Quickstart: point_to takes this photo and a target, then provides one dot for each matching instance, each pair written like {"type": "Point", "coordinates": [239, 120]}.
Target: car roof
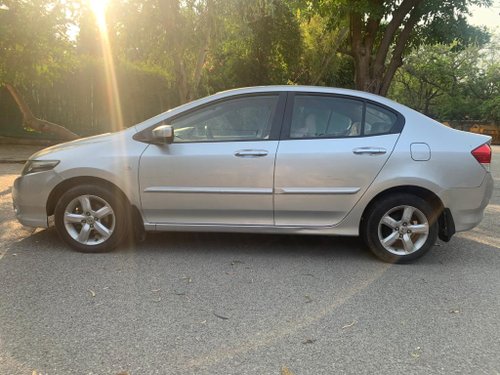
{"type": "Point", "coordinates": [304, 88]}
{"type": "Point", "coordinates": [270, 89]}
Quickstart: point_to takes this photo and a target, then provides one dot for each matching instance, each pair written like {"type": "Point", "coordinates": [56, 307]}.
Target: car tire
{"type": "Point", "coordinates": [400, 228]}
{"type": "Point", "coordinates": [92, 218]}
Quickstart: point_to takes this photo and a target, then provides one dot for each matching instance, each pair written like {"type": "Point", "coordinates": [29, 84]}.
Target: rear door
{"type": "Point", "coordinates": [332, 149]}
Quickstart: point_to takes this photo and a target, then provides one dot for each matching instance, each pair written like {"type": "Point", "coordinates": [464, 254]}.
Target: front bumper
{"type": "Point", "coordinates": [30, 194]}
{"type": "Point", "coordinates": [467, 204]}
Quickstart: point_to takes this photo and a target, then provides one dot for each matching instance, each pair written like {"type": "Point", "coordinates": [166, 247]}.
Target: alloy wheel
{"type": "Point", "coordinates": [89, 219]}
{"type": "Point", "coordinates": [403, 230]}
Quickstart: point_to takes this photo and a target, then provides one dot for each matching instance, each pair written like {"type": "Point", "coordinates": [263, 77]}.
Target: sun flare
{"type": "Point", "coordinates": [99, 8]}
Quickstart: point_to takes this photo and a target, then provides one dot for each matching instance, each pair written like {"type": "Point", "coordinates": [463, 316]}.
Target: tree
{"type": "Point", "coordinates": [262, 45]}
{"type": "Point", "coordinates": [321, 63]}
{"type": "Point", "coordinates": [486, 86]}
{"type": "Point", "coordinates": [32, 52]}
{"type": "Point", "coordinates": [203, 46]}
{"type": "Point", "coordinates": [382, 31]}
{"type": "Point", "coordinates": [173, 36]}
{"type": "Point", "coordinates": [449, 83]}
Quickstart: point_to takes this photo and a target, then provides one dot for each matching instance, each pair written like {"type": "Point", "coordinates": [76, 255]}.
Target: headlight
{"type": "Point", "coordinates": [33, 166]}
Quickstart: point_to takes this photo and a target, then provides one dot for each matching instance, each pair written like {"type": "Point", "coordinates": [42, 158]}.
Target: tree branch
{"type": "Point", "coordinates": [396, 59]}
{"type": "Point", "coordinates": [42, 126]}
{"type": "Point", "coordinates": [372, 27]}
{"type": "Point", "coordinates": [397, 19]}
{"type": "Point", "coordinates": [202, 54]}
{"type": "Point", "coordinates": [435, 94]}
{"type": "Point", "coordinates": [23, 107]}
{"type": "Point", "coordinates": [424, 79]}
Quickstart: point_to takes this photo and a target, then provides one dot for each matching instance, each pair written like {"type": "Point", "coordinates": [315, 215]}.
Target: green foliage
{"type": "Point", "coordinates": [445, 22]}
{"type": "Point", "coordinates": [381, 33]}
{"type": "Point", "coordinates": [34, 44]}
{"type": "Point", "coordinates": [171, 36]}
{"type": "Point", "coordinates": [170, 51]}
{"type": "Point", "coordinates": [449, 83]}
{"type": "Point", "coordinates": [322, 64]}
{"type": "Point", "coordinates": [262, 45]}
{"type": "Point", "coordinates": [78, 98]}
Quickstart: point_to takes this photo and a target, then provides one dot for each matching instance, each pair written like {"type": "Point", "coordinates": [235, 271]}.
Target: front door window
{"type": "Point", "coordinates": [240, 119]}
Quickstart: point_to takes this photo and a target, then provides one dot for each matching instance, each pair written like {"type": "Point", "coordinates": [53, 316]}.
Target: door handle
{"type": "Point", "coordinates": [250, 153]}
{"type": "Point", "coordinates": [369, 151]}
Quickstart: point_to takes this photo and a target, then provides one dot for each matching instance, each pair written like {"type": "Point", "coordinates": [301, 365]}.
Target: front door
{"type": "Point", "coordinates": [219, 168]}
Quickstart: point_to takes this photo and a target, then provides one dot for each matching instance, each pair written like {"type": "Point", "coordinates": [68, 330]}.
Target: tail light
{"type": "Point", "coordinates": [483, 155]}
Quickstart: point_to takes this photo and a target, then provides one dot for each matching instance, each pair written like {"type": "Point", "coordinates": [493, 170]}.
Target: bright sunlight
{"type": "Point", "coordinates": [99, 8]}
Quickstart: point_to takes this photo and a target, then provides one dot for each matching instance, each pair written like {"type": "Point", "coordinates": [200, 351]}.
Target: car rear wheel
{"type": "Point", "coordinates": [400, 228]}
{"type": "Point", "coordinates": [91, 218]}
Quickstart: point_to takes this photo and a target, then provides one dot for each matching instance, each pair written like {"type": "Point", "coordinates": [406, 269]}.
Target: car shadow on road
{"type": "Point", "coordinates": [256, 244]}
{"type": "Point", "coordinates": [331, 248]}
{"type": "Point", "coordinates": [217, 243]}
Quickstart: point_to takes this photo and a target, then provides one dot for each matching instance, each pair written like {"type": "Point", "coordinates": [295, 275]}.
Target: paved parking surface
{"type": "Point", "coordinates": [246, 304]}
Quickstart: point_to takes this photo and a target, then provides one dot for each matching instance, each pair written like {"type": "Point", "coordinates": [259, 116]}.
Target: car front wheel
{"type": "Point", "coordinates": [400, 228]}
{"type": "Point", "coordinates": [91, 218]}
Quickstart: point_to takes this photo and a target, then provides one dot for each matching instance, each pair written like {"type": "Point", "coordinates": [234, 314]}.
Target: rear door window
{"type": "Point", "coordinates": [322, 116]}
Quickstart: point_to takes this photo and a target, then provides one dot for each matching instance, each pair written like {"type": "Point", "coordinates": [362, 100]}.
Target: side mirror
{"type": "Point", "coordinates": [164, 134]}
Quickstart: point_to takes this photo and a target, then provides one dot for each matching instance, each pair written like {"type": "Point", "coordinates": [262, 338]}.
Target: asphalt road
{"type": "Point", "coordinates": [247, 304]}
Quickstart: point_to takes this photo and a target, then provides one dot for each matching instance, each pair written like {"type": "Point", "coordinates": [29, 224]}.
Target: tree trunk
{"type": "Point", "coordinates": [372, 72]}
{"type": "Point", "coordinates": [397, 19]}
{"type": "Point", "coordinates": [42, 126]}
{"type": "Point", "coordinates": [203, 52]}
{"type": "Point", "coordinates": [357, 50]}
{"type": "Point", "coordinates": [181, 79]}
{"type": "Point", "coordinates": [397, 53]}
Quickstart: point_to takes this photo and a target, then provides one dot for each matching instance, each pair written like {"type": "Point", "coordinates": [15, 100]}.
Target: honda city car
{"type": "Point", "coordinates": [275, 159]}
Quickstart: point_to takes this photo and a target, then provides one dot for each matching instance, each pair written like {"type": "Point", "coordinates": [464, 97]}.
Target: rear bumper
{"type": "Point", "coordinates": [29, 196]}
{"type": "Point", "coordinates": [467, 204]}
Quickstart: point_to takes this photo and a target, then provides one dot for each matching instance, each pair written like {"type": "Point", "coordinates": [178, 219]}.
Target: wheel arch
{"type": "Point", "coordinates": [418, 191]}
{"type": "Point", "coordinates": [69, 183]}
{"type": "Point", "coordinates": [370, 231]}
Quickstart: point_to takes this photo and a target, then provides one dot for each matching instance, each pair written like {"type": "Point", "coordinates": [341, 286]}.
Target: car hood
{"type": "Point", "coordinates": [103, 138]}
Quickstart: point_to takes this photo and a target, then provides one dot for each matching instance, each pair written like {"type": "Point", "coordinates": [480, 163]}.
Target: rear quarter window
{"type": "Point", "coordinates": [379, 120]}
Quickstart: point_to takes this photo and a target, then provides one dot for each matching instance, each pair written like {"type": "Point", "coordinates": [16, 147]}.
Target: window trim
{"type": "Point", "coordinates": [146, 135]}
{"type": "Point", "coordinates": [287, 124]}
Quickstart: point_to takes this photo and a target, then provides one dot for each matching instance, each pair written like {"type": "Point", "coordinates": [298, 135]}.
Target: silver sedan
{"type": "Point", "coordinates": [277, 159]}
